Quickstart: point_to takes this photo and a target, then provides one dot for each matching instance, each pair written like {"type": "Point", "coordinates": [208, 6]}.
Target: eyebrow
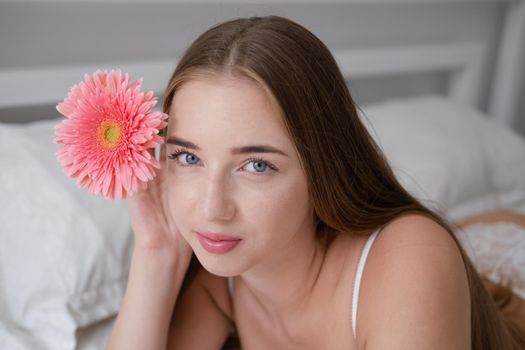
{"type": "Point", "coordinates": [236, 150]}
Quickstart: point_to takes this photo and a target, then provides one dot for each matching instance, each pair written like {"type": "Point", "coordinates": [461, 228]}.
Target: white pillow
{"type": "Point", "coordinates": [452, 157]}
{"type": "Point", "coordinates": [64, 254]}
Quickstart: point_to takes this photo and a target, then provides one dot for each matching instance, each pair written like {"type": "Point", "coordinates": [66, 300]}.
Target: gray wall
{"type": "Point", "coordinates": [50, 34]}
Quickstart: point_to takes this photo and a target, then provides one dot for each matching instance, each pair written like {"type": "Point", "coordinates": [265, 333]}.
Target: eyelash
{"type": "Point", "coordinates": [180, 151]}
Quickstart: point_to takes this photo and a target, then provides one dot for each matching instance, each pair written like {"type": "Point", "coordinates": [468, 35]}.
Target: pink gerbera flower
{"type": "Point", "coordinates": [108, 133]}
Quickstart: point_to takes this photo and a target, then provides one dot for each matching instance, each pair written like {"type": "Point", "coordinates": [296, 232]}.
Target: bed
{"type": "Point", "coordinates": [444, 108]}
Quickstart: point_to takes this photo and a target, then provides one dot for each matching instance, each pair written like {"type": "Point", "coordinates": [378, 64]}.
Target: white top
{"type": "Point", "coordinates": [357, 280]}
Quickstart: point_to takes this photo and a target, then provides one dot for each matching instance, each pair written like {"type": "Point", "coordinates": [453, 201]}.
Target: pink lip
{"type": "Point", "coordinates": [217, 243]}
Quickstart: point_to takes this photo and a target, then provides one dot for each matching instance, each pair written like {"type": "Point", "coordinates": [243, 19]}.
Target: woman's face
{"type": "Point", "coordinates": [233, 170]}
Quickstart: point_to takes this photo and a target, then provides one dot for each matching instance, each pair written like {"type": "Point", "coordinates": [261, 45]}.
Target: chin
{"type": "Point", "coordinates": [218, 266]}
{"type": "Point", "coordinates": [220, 271]}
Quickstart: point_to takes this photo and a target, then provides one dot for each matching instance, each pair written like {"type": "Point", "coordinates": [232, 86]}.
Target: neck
{"type": "Point", "coordinates": [285, 281]}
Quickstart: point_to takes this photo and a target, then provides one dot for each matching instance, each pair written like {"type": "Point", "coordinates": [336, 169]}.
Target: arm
{"type": "Point", "coordinates": [159, 262]}
{"type": "Point", "coordinates": [201, 319]}
{"type": "Point", "coordinates": [154, 282]}
{"type": "Point", "coordinates": [418, 296]}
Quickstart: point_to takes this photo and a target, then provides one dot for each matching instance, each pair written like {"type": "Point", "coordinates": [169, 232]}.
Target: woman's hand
{"type": "Point", "coordinates": [159, 263]}
{"type": "Point", "coordinates": [153, 227]}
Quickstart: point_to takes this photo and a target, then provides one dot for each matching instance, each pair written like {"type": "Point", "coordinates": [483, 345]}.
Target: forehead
{"type": "Point", "coordinates": [225, 106]}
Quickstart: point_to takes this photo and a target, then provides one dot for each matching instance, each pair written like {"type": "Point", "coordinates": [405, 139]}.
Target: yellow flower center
{"type": "Point", "coordinates": [112, 134]}
{"type": "Point", "coordinates": [109, 134]}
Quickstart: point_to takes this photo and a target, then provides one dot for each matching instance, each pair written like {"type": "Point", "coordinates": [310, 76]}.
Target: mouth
{"type": "Point", "coordinates": [217, 243]}
{"type": "Point", "coordinates": [218, 236]}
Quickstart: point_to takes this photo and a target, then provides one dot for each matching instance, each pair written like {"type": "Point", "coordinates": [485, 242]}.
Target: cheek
{"type": "Point", "coordinates": [181, 198]}
{"type": "Point", "coordinates": [282, 211]}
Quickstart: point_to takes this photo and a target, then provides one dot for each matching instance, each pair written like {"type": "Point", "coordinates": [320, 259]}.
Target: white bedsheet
{"type": "Point", "coordinates": [95, 337]}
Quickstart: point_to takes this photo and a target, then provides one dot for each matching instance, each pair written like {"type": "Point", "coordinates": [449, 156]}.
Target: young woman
{"type": "Point", "coordinates": [304, 238]}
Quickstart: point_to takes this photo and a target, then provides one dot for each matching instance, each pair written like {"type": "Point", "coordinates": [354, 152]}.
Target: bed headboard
{"type": "Point", "coordinates": [465, 63]}
{"type": "Point", "coordinates": [485, 72]}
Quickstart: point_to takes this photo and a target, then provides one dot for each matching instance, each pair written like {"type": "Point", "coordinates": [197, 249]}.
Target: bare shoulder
{"type": "Point", "coordinates": [414, 229]}
{"type": "Point", "coordinates": [414, 290]}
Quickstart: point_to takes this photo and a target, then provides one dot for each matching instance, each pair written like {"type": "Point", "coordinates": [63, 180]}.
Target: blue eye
{"type": "Point", "coordinates": [190, 158]}
{"type": "Point", "coordinates": [259, 165]}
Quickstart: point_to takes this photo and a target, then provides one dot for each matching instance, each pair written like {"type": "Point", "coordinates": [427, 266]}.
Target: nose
{"type": "Point", "coordinates": [217, 204]}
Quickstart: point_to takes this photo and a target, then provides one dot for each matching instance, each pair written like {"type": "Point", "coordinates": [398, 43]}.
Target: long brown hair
{"type": "Point", "coordinates": [351, 184]}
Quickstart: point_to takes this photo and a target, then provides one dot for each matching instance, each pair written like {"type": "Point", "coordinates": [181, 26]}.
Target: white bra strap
{"type": "Point", "coordinates": [358, 274]}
